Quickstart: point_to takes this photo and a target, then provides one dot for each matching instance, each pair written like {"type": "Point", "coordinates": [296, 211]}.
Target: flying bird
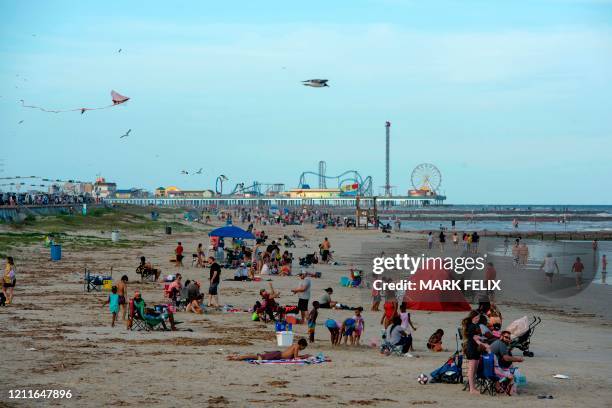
{"type": "Point", "coordinates": [119, 50]}
{"type": "Point", "coordinates": [184, 172]}
{"type": "Point", "coordinates": [20, 122]}
{"type": "Point", "coordinates": [126, 134]}
{"type": "Point", "coordinates": [199, 171]}
{"type": "Point", "coordinates": [315, 83]}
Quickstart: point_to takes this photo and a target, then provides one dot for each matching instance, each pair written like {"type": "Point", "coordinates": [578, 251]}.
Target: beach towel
{"type": "Point", "coordinates": [297, 361]}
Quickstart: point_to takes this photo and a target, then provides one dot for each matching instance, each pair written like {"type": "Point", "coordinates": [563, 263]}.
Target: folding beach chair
{"type": "Point", "coordinates": [93, 283]}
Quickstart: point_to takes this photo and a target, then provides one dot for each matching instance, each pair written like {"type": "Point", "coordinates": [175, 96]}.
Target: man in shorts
{"type": "Point", "coordinates": [303, 292]}
{"type": "Point", "coordinates": [214, 279]}
{"type": "Point", "coordinates": [290, 353]}
{"type": "Point", "coordinates": [122, 292]}
{"type": "Point", "coordinates": [577, 268]}
{"type": "Point", "coordinates": [504, 360]}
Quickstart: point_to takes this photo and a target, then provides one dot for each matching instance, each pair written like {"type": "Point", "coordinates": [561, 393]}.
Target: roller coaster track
{"type": "Point", "coordinates": [350, 176]}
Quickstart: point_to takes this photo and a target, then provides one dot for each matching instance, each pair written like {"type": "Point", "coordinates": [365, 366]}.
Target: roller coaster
{"type": "Point", "coordinates": [257, 189]}
{"type": "Point", "coordinates": [350, 182]}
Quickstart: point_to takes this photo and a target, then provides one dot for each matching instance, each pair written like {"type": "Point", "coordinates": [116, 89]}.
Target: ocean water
{"type": "Point", "coordinates": [506, 226]}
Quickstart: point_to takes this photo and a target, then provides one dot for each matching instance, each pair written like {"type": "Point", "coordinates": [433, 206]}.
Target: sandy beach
{"type": "Point", "coordinates": [56, 336]}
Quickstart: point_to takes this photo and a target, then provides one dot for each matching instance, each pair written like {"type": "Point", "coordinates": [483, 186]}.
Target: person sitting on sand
{"type": "Point", "coordinates": [397, 336]}
{"type": "Point", "coordinates": [194, 297]}
{"type": "Point", "coordinates": [268, 305]}
{"type": "Point", "coordinates": [326, 301]}
{"type": "Point", "coordinates": [290, 353]}
{"type": "Point", "coordinates": [435, 341]}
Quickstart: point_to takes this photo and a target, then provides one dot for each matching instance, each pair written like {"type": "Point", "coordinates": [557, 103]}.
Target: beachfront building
{"type": "Point", "coordinates": [102, 189]}
{"type": "Point", "coordinates": [175, 192]}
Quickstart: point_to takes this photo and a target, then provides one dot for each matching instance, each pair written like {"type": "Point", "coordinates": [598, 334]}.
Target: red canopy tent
{"type": "Point", "coordinates": [437, 300]}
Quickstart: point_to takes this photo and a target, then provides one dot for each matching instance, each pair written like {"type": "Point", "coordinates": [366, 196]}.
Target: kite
{"type": "Point", "coordinates": [117, 99]}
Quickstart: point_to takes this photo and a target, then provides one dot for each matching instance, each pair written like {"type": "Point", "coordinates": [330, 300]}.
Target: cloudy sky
{"type": "Point", "coordinates": [512, 101]}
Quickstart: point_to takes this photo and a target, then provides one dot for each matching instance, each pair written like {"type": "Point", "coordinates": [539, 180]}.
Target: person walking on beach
{"type": "Point", "coordinates": [455, 240]}
{"type": "Point", "coordinates": [325, 247]}
{"type": "Point", "coordinates": [577, 268]}
{"type": "Point", "coordinates": [548, 266]}
{"type": "Point", "coordinates": [604, 265]}
{"type": "Point", "coordinates": [122, 293]}
{"type": "Point", "coordinates": [179, 255]}
{"type": "Point", "coordinates": [214, 279]}
{"type": "Point", "coordinates": [430, 240]}
{"type": "Point", "coordinates": [9, 279]}
{"type": "Point", "coordinates": [113, 304]}
{"type": "Point", "coordinates": [303, 292]}
{"type": "Point", "coordinates": [442, 238]}
{"type": "Point", "coordinates": [312, 321]}
{"type": "Point", "coordinates": [506, 245]}
{"type": "Point", "coordinates": [523, 253]}
{"type": "Point", "coordinates": [475, 241]}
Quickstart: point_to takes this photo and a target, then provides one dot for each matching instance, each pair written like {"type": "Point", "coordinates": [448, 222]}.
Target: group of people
{"type": "Point", "coordinates": [470, 241]}
{"type": "Point", "coordinates": [16, 199]}
{"type": "Point", "coordinates": [478, 339]}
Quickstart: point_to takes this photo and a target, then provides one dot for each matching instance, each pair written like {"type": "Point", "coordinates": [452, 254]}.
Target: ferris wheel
{"type": "Point", "coordinates": [426, 177]}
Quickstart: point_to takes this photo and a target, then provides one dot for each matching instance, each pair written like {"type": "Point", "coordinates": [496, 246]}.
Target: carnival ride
{"type": "Point", "coordinates": [426, 180]}
{"type": "Point", "coordinates": [349, 183]}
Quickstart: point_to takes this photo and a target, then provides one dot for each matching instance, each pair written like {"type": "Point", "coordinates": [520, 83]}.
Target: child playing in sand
{"type": "Point", "coordinates": [113, 302]}
{"type": "Point", "coordinates": [312, 321]}
{"type": "Point", "coordinates": [406, 321]}
{"type": "Point", "coordinates": [348, 329]}
{"type": "Point", "coordinates": [334, 331]}
{"type": "Point", "coordinates": [359, 326]}
{"type": "Point", "coordinates": [435, 341]}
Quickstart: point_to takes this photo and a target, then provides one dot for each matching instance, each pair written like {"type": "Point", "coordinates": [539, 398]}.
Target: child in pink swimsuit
{"type": "Point", "coordinates": [359, 325]}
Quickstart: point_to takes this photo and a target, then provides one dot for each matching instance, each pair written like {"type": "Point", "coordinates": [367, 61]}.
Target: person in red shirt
{"type": "Point", "coordinates": [179, 255]}
{"type": "Point", "coordinates": [577, 268]}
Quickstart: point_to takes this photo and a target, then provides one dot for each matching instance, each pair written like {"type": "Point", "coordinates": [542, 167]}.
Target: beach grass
{"type": "Point", "coordinates": [12, 240]}
{"type": "Point", "coordinates": [103, 219]}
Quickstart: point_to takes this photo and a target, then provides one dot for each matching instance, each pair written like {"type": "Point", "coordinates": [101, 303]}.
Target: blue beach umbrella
{"type": "Point", "coordinates": [231, 231]}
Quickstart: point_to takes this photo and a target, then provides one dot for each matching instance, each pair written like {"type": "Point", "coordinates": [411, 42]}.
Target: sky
{"type": "Point", "coordinates": [512, 101]}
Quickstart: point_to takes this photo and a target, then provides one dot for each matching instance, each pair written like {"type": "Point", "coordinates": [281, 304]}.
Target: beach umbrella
{"type": "Point", "coordinates": [231, 231]}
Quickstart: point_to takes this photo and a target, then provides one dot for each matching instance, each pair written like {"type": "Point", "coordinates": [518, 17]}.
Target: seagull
{"type": "Point", "coordinates": [119, 50]}
{"type": "Point", "coordinates": [20, 122]}
{"type": "Point", "coordinates": [126, 134]}
{"type": "Point", "coordinates": [184, 172]}
{"type": "Point", "coordinates": [199, 171]}
{"type": "Point", "coordinates": [316, 83]}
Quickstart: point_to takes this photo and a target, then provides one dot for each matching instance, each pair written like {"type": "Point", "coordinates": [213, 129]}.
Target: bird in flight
{"type": "Point", "coordinates": [315, 83]}
{"type": "Point", "coordinates": [199, 171]}
{"type": "Point", "coordinates": [184, 172]}
{"type": "Point", "coordinates": [126, 134]}
{"type": "Point", "coordinates": [119, 50]}
{"type": "Point", "coordinates": [20, 122]}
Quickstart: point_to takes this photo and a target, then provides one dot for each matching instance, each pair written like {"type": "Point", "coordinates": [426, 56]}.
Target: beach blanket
{"type": "Point", "coordinates": [298, 361]}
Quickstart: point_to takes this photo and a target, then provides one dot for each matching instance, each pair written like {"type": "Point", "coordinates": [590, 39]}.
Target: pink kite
{"type": "Point", "coordinates": [117, 98]}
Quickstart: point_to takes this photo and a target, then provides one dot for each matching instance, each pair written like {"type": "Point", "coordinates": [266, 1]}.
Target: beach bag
{"type": "Point", "coordinates": [255, 317]}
